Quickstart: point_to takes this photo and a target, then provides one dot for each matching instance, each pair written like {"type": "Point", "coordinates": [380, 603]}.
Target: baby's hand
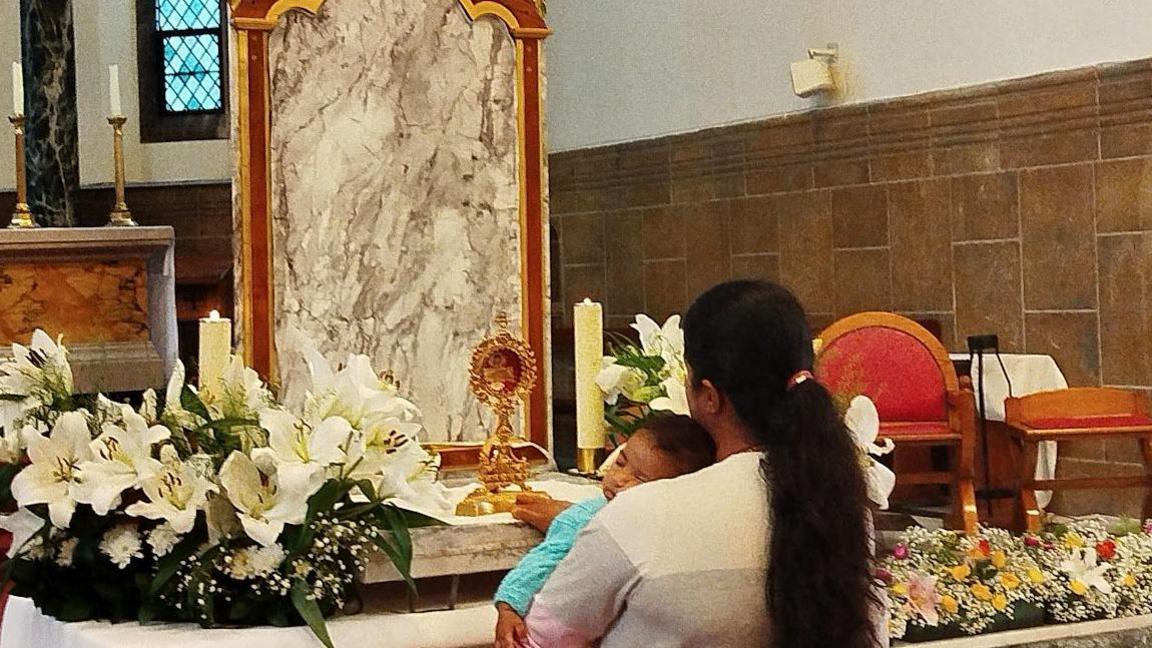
{"type": "Point", "coordinates": [538, 511]}
{"type": "Point", "coordinates": [510, 629]}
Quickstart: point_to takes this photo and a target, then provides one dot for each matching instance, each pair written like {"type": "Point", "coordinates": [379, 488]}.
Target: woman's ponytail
{"type": "Point", "coordinates": [820, 559]}
{"type": "Point", "coordinates": [751, 341]}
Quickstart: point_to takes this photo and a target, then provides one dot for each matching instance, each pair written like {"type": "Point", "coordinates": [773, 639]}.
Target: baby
{"type": "Point", "coordinates": [667, 446]}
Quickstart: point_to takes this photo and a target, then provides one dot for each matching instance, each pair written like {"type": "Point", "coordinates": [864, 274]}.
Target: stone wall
{"type": "Point", "coordinates": [1022, 207]}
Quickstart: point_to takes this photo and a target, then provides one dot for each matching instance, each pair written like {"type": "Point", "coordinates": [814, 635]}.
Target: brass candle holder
{"type": "Point", "coordinates": [120, 216]}
{"type": "Point", "coordinates": [502, 374]}
{"type": "Point", "coordinates": [22, 217]}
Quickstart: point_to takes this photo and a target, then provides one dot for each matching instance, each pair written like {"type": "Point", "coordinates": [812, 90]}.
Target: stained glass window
{"type": "Point", "coordinates": [189, 32]}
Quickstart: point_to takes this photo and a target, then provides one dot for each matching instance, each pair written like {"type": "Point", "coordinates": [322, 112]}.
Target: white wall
{"type": "Point", "coordinates": [105, 32]}
{"type": "Point", "coordinates": [623, 70]}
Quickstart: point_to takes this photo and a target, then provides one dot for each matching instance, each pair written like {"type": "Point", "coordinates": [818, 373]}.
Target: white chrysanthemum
{"type": "Point", "coordinates": [121, 544]}
{"type": "Point", "coordinates": [162, 539]}
{"type": "Point", "coordinates": [66, 551]}
{"type": "Point", "coordinates": [266, 560]}
{"type": "Point", "coordinates": [254, 562]}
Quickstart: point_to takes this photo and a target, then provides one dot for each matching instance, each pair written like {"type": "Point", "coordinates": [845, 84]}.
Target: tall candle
{"type": "Point", "coordinates": [17, 89]}
{"type": "Point", "coordinates": [588, 320]}
{"type": "Point", "coordinates": [114, 90]}
{"type": "Point", "coordinates": [215, 349]}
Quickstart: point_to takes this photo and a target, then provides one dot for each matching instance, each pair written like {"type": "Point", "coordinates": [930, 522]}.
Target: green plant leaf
{"type": "Point", "coordinates": [310, 612]}
{"type": "Point", "coordinates": [167, 566]}
{"type": "Point", "coordinates": [191, 402]}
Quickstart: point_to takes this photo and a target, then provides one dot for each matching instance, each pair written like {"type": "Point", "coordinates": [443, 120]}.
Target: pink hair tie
{"type": "Point", "coordinates": [799, 377]}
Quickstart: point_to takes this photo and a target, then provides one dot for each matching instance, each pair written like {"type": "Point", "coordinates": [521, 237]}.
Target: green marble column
{"type": "Point", "coordinates": [52, 151]}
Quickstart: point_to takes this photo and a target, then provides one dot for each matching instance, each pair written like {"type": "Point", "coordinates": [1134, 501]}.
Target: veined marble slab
{"type": "Point", "coordinates": [395, 196]}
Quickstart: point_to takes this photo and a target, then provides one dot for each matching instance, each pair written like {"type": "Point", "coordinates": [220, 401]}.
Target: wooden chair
{"type": "Point", "coordinates": [906, 371]}
{"type": "Point", "coordinates": [1069, 414]}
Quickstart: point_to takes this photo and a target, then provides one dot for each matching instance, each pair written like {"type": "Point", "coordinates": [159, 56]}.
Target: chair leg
{"type": "Point", "coordinates": [1029, 508]}
{"type": "Point", "coordinates": [964, 498]}
{"type": "Point", "coordinates": [1146, 450]}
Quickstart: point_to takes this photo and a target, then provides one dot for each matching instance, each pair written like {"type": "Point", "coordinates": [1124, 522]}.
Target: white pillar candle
{"type": "Point", "coordinates": [114, 90]}
{"type": "Point", "coordinates": [17, 89]}
{"type": "Point", "coordinates": [215, 349]}
{"type": "Point", "coordinates": [588, 320]}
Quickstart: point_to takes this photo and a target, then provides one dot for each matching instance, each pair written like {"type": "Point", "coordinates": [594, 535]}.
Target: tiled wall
{"type": "Point", "coordinates": [1022, 208]}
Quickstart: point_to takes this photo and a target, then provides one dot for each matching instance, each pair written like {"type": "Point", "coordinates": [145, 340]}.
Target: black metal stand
{"type": "Point", "coordinates": [978, 345]}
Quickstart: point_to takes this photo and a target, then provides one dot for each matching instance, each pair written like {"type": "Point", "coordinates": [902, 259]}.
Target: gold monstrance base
{"type": "Point", "coordinates": [503, 372]}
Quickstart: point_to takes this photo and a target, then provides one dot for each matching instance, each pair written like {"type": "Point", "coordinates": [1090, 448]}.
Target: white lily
{"type": "Point", "coordinates": [174, 413]}
{"type": "Point", "coordinates": [23, 525]}
{"type": "Point", "coordinates": [38, 372]}
{"type": "Point", "coordinates": [353, 392]}
{"type": "Point", "coordinates": [52, 476]}
{"type": "Point", "coordinates": [1085, 571]}
{"type": "Point", "coordinates": [175, 494]}
{"type": "Point", "coordinates": [410, 474]}
{"type": "Point", "coordinates": [268, 496]}
{"type": "Point", "coordinates": [292, 440]}
{"type": "Point", "coordinates": [122, 459]}
{"type": "Point", "coordinates": [616, 380]}
{"type": "Point", "coordinates": [242, 393]}
{"type": "Point", "coordinates": [863, 421]}
{"type": "Point", "coordinates": [666, 341]}
{"type": "Point", "coordinates": [677, 399]}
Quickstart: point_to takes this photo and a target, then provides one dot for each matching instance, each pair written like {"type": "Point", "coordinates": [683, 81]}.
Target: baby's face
{"type": "Point", "coordinates": [640, 461]}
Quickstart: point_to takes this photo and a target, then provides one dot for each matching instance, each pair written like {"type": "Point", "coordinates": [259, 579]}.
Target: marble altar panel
{"type": "Point", "coordinates": [109, 291]}
{"type": "Point", "coordinates": [395, 195]}
{"type": "Point", "coordinates": [95, 301]}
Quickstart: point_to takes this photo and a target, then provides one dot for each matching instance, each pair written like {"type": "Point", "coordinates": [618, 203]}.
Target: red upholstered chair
{"type": "Point", "coordinates": [907, 373]}
{"type": "Point", "coordinates": [1069, 414]}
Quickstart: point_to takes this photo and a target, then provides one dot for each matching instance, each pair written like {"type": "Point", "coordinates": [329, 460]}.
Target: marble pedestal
{"type": "Point", "coordinates": [109, 291]}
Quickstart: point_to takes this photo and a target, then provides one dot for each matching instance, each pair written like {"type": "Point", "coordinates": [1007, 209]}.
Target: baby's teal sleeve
{"type": "Point", "coordinates": [523, 582]}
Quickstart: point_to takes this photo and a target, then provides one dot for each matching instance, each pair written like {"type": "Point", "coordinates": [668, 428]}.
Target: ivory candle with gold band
{"type": "Point", "coordinates": [215, 349]}
{"type": "Point", "coordinates": [588, 321]}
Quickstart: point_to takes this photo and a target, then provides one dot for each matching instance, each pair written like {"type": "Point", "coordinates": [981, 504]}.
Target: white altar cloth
{"type": "Point", "coordinates": [1029, 374]}
{"type": "Point", "coordinates": [465, 627]}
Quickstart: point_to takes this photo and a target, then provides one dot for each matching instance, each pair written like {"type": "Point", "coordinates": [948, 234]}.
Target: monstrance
{"type": "Point", "coordinates": [502, 374]}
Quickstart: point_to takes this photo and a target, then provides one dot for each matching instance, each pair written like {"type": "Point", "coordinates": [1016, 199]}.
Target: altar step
{"type": "Point", "coordinates": [1110, 633]}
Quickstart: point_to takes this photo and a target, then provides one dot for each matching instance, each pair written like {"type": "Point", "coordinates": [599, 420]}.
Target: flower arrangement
{"type": "Point", "coordinates": [217, 507]}
{"type": "Point", "coordinates": [953, 584]}
{"type": "Point", "coordinates": [639, 380]}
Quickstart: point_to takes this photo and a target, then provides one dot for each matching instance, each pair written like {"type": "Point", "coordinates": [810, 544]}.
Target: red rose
{"type": "Point", "coordinates": [985, 548]}
{"type": "Point", "coordinates": [1106, 550]}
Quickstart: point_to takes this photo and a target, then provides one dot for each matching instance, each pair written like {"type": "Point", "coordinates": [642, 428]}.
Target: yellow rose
{"type": "Point", "coordinates": [981, 591]}
{"type": "Point", "coordinates": [1078, 587]}
{"type": "Point", "coordinates": [999, 560]}
{"type": "Point", "coordinates": [1128, 581]}
{"type": "Point", "coordinates": [949, 604]}
{"type": "Point", "coordinates": [1000, 602]}
{"type": "Point", "coordinates": [1035, 575]}
{"type": "Point", "coordinates": [900, 589]}
{"type": "Point", "coordinates": [1009, 581]}
{"type": "Point", "coordinates": [1073, 541]}
{"type": "Point", "coordinates": [960, 572]}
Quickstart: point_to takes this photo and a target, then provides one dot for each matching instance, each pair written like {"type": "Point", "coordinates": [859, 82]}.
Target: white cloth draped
{"type": "Point", "coordinates": [467, 627]}
{"type": "Point", "coordinates": [1029, 374]}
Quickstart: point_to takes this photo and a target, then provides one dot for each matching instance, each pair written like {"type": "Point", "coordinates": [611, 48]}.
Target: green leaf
{"type": "Point", "coordinates": [12, 398]}
{"type": "Point", "coordinates": [367, 488]}
{"type": "Point", "coordinates": [310, 612]}
{"type": "Point", "coordinates": [167, 566]}
{"type": "Point", "coordinates": [191, 402]}
{"type": "Point", "coordinates": [404, 568]}
{"type": "Point", "coordinates": [414, 520]}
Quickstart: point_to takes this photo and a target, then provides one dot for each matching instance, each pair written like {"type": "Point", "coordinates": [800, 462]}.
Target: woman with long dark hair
{"type": "Point", "coordinates": [771, 546]}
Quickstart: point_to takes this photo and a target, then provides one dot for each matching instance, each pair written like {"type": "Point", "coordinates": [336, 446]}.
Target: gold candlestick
{"type": "Point", "coordinates": [22, 217]}
{"type": "Point", "coordinates": [120, 216]}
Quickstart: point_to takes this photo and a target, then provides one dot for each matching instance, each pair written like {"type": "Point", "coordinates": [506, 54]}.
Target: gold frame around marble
{"type": "Point", "coordinates": [252, 20]}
